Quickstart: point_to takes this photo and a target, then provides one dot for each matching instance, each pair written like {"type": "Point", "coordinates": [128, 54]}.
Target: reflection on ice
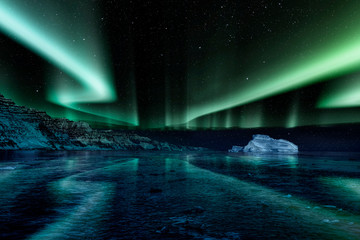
{"type": "Point", "coordinates": [346, 224]}
{"type": "Point", "coordinates": [349, 186]}
{"type": "Point", "coordinates": [80, 217]}
{"type": "Point", "coordinates": [290, 161]}
{"type": "Point", "coordinates": [7, 168]}
{"type": "Point", "coordinates": [113, 195]}
{"type": "Point", "coordinates": [345, 190]}
{"type": "Point", "coordinates": [90, 211]}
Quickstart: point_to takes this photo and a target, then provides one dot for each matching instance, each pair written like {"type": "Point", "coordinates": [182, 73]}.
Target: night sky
{"type": "Point", "coordinates": [184, 64]}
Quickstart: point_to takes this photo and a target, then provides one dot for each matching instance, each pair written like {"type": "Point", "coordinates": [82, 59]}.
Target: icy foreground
{"type": "Point", "coordinates": [265, 144]}
{"type": "Point", "coordinates": [26, 129]}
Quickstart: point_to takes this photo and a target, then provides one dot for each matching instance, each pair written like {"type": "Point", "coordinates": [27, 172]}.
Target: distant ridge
{"type": "Point", "coordinates": [23, 128]}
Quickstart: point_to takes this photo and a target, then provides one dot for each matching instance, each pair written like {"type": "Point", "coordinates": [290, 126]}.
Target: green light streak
{"type": "Point", "coordinates": [80, 58]}
{"type": "Point", "coordinates": [228, 119]}
{"type": "Point", "coordinates": [26, 32]}
{"type": "Point", "coordinates": [293, 117]}
{"type": "Point", "coordinates": [292, 120]}
{"type": "Point", "coordinates": [249, 116]}
{"type": "Point", "coordinates": [342, 93]}
{"type": "Point", "coordinates": [109, 111]}
{"type": "Point", "coordinates": [252, 116]}
{"type": "Point", "coordinates": [326, 66]}
{"type": "Point", "coordinates": [318, 57]}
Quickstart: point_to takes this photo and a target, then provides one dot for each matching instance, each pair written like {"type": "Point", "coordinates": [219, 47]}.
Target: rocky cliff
{"type": "Point", "coordinates": [26, 128]}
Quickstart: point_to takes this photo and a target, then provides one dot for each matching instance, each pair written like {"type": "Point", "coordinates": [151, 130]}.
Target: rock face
{"type": "Point", "coordinates": [26, 128]}
{"type": "Point", "coordinates": [266, 144]}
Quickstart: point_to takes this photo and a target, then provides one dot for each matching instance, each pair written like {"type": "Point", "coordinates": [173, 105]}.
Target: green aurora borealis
{"type": "Point", "coordinates": [230, 64]}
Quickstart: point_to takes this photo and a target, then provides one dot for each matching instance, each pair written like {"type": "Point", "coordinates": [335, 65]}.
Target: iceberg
{"type": "Point", "coordinates": [265, 144]}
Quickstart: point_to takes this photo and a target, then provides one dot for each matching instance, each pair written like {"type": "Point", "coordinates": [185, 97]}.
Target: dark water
{"type": "Point", "coordinates": [117, 195]}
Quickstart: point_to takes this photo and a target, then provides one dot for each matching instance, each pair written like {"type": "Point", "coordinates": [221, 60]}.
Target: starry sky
{"type": "Point", "coordinates": [184, 64]}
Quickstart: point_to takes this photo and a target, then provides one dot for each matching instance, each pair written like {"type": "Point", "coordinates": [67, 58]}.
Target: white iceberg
{"type": "Point", "coordinates": [265, 144]}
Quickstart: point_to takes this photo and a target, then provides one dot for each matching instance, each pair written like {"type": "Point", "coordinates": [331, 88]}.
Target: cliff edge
{"type": "Point", "coordinates": [23, 128]}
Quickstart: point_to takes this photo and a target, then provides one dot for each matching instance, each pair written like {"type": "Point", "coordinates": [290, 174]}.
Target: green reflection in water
{"type": "Point", "coordinates": [92, 209]}
{"type": "Point", "coordinates": [347, 225]}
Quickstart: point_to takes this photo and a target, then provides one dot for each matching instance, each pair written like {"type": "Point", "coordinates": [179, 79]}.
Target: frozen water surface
{"type": "Point", "coordinates": [164, 195]}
